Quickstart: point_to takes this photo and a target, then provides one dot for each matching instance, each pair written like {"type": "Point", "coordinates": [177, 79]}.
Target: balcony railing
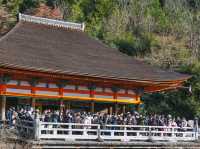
{"type": "Point", "coordinates": [73, 131]}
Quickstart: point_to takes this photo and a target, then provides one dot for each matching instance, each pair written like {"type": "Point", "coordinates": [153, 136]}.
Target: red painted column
{"type": "Point", "coordinates": [2, 89]}
{"type": "Point", "coordinates": [61, 91]}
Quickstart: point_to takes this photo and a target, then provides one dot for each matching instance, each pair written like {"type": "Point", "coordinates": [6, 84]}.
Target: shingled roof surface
{"type": "Point", "coordinates": [46, 48]}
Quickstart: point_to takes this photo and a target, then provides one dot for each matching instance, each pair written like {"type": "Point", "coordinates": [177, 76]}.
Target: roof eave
{"type": "Point", "coordinates": [61, 73]}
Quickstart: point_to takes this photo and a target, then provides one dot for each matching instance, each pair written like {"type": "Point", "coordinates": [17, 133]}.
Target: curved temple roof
{"type": "Point", "coordinates": [43, 47]}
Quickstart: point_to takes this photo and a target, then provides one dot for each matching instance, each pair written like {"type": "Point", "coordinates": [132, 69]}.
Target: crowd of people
{"type": "Point", "coordinates": [70, 116]}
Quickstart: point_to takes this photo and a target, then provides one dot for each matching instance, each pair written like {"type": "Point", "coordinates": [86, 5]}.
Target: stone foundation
{"type": "Point", "coordinates": [30, 144]}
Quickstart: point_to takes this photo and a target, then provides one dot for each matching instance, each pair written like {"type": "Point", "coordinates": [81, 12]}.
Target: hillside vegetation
{"type": "Point", "coordinates": [164, 33]}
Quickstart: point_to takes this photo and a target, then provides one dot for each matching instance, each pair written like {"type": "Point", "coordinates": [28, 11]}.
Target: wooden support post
{"type": "Point", "coordinates": [33, 102]}
{"type": "Point", "coordinates": [62, 106]}
{"type": "Point", "coordinates": [116, 104]}
{"type": "Point", "coordinates": [137, 105]}
{"type": "Point", "coordinates": [33, 99]}
{"type": "Point", "coordinates": [3, 107]}
{"type": "Point", "coordinates": [116, 108]}
{"type": "Point", "coordinates": [92, 102]}
{"type": "Point", "coordinates": [68, 105]}
{"type": "Point", "coordinates": [92, 106]}
{"type": "Point", "coordinates": [61, 93]}
{"type": "Point", "coordinates": [111, 110]}
{"type": "Point", "coordinates": [124, 109]}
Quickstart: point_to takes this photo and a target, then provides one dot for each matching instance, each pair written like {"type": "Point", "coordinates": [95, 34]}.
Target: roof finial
{"type": "Point", "coordinates": [52, 22]}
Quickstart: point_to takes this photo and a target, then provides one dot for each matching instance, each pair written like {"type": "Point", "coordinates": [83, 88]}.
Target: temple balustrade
{"type": "Point", "coordinates": [73, 131]}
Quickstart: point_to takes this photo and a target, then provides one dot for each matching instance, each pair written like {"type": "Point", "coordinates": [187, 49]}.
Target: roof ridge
{"type": "Point", "coordinates": [51, 22]}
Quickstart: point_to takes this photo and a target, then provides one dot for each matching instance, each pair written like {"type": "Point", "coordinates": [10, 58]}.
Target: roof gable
{"type": "Point", "coordinates": [51, 22]}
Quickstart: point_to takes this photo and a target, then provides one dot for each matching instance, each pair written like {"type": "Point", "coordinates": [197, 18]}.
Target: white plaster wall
{"type": "Point", "coordinates": [22, 91]}
{"type": "Point", "coordinates": [76, 94]}
{"type": "Point", "coordinates": [24, 83]}
{"type": "Point", "coordinates": [70, 87]}
{"type": "Point", "coordinates": [46, 93]}
{"type": "Point", "coordinates": [41, 85]}
{"type": "Point", "coordinates": [52, 85]}
{"type": "Point", "coordinates": [12, 82]}
{"type": "Point", "coordinates": [102, 96]}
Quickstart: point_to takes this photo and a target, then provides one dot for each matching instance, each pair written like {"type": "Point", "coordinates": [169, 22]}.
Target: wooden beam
{"type": "Point", "coordinates": [131, 101]}
{"type": "Point", "coordinates": [61, 91]}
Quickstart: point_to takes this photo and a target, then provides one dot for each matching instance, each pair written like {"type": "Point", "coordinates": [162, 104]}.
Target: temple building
{"type": "Point", "coordinates": [49, 63]}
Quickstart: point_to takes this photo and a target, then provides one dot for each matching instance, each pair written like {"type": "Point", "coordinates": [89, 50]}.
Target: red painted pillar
{"type": "Point", "coordinates": [61, 92]}
{"type": "Point", "coordinates": [2, 89]}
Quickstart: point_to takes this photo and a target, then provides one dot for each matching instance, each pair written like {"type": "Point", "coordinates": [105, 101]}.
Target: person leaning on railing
{"type": "Point", "coordinates": [129, 118]}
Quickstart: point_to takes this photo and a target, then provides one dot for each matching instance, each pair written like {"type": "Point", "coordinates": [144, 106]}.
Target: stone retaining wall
{"type": "Point", "coordinates": [92, 144]}
{"type": "Point", "coordinates": [13, 143]}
